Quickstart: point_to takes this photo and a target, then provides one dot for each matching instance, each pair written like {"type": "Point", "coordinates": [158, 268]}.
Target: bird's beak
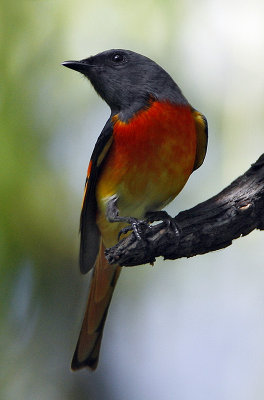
{"type": "Point", "coordinates": [79, 66]}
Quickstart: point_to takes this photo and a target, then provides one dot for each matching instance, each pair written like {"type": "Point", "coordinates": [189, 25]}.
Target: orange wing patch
{"type": "Point", "coordinates": [89, 169]}
{"type": "Point", "coordinates": [103, 152]}
{"type": "Point", "coordinates": [86, 182]}
{"type": "Point", "coordinates": [98, 163]}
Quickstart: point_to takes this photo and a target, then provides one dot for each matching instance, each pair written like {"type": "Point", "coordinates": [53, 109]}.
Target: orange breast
{"type": "Point", "coordinates": [150, 160]}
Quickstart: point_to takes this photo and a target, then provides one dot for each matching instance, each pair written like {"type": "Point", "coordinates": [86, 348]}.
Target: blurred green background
{"type": "Point", "coordinates": [189, 329]}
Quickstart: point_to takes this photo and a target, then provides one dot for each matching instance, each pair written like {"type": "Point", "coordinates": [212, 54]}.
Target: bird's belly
{"type": "Point", "coordinates": [151, 184]}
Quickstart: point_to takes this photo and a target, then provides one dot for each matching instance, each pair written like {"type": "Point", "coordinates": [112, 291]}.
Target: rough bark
{"type": "Point", "coordinates": [211, 225]}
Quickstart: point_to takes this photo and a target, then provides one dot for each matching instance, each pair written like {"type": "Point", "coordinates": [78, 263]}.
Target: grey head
{"type": "Point", "coordinates": [127, 80]}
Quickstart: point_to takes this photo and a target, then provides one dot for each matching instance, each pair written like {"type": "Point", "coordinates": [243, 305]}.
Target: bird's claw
{"type": "Point", "coordinates": [138, 226]}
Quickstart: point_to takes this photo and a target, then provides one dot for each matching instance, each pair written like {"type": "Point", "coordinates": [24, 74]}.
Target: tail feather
{"type": "Point", "coordinates": [101, 290]}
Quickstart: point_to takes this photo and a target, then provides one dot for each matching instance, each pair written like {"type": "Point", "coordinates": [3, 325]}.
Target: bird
{"type": "Point", "coordinates": [150, 145]}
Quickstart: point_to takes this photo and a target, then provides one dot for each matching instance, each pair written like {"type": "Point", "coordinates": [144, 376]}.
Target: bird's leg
{"type": "Point", "coordinates": [136, 225]}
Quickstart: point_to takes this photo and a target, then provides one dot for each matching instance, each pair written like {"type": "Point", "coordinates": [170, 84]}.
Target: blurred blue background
{"type": "Point", "coordinates": [184, 329]}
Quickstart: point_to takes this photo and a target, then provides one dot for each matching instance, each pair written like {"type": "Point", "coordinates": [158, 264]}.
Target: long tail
{"type": "Point", "coordinates": [101, 290]}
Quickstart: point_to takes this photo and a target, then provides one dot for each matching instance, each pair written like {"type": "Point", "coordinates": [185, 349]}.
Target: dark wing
{"type": "Point", "coordinates": [90, 235]}
{"type": "Point", "coordinates": [202, 137]}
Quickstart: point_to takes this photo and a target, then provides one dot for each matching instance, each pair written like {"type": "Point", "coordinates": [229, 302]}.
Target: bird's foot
{"type": "Point", "coordinates": [137, 226]}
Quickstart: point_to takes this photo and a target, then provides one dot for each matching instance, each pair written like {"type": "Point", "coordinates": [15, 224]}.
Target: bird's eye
{"type": "Point", "coordinates": [118, 58]}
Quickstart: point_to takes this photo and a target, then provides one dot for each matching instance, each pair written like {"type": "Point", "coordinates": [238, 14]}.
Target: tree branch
{"type": "Point", "coordinates": [211, 225]}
